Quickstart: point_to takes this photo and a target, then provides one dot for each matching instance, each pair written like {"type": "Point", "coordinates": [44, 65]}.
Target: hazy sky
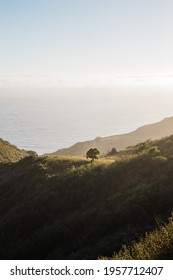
{"type": "Point", "coordinates": [86, 37]}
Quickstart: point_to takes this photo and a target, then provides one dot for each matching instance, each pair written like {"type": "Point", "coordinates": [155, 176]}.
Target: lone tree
{"type": "Point", "coordinates": [93, 154]}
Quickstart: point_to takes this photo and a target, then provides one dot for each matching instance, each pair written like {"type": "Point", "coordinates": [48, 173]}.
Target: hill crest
{"type": "Point", "coordinates": [10, 153]}
{"type": "Point", "coordinates": [105, 144]}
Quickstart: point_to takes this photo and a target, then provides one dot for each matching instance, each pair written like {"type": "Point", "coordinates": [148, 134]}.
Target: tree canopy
{"type": "Point", "coordinates": [92, 153]}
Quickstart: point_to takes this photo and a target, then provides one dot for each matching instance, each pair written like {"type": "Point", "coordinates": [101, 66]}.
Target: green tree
{"type": "Point", "coordinates": [92, 153]}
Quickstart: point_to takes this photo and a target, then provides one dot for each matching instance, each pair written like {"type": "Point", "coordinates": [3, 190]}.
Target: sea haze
{"type": "Point", "coordinates": [47, 120]}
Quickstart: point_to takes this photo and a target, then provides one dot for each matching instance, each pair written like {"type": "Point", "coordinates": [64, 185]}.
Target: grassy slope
{"type": "Point", "coordinates": [157, 245]}
{"type": "Point", "coordinates": [68, 208]}
{"type": "Point", "coordinates": [10, 152]}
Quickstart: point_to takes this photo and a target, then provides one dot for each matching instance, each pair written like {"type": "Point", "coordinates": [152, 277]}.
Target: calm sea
{"type": "Point", "coordinates": [46, 121]}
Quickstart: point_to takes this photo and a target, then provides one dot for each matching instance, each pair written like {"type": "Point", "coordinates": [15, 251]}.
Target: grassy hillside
{"type": "Point", "coordinates": [69, 208]}
{"type": "Point", "coordinates": [120, 142]}
{"type": "Point", "coordinates": [162, 147]}
{"type": "Point", "coordinates": [157, 245]}
{"type": "Point", "coordinates": [10, 152]}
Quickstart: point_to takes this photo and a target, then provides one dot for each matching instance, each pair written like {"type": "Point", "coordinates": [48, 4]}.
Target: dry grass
{"type": "Point", "coordinates": [155, 245]}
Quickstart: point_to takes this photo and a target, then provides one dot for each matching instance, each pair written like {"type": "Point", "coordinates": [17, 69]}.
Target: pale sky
{"type": "Point", "coordinates": [92, 38]}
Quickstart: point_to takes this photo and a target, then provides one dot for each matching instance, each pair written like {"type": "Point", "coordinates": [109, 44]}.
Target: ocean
{"type": "Point", "coordinates": [51, 119]}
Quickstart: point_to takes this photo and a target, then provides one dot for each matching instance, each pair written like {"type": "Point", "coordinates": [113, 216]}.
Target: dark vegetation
{"type": "Point", "coordinates": [113, 152]}
{"type": "Point", "coordinates": [157, 245]}
{"type": "Point", "coordinates": [69, 208]}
